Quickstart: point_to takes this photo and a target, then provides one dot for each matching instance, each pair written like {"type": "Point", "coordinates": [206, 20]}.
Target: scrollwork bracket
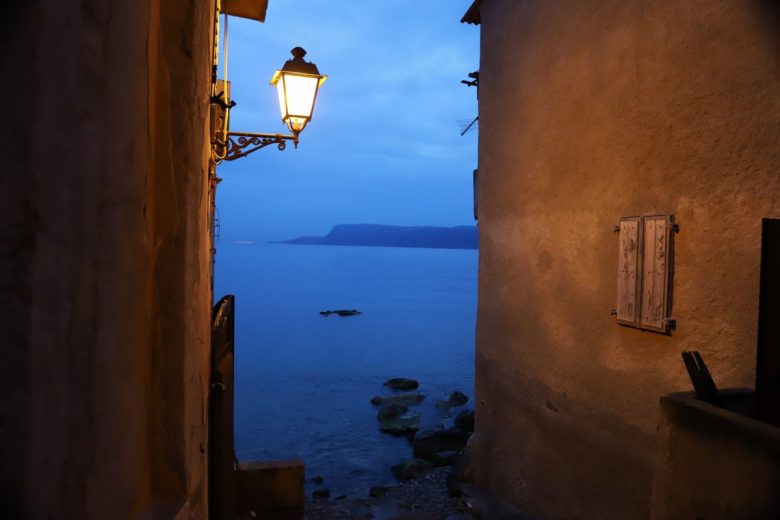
{"type": "Point", "coordinates": [241, 144]}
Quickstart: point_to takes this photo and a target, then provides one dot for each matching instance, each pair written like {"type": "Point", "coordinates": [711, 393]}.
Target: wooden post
{"type": "Point", "coordinates": [221, 451]}
{"type": "Point", "coordinates": [768, 355]}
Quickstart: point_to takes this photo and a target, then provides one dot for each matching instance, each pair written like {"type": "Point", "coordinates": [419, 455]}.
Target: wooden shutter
{"type": "Point", "coordinates": [645, 272]}
{"type": "Point", "coordinates": [628, 269]}
{"type": "Point", "coordinates": [655, 272]}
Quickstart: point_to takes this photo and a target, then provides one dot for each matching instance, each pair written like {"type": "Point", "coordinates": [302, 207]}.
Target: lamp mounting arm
{"type": "Point", "coordinates": [241, 144]}
{"type": "Point", "coordinates": [219, 99]}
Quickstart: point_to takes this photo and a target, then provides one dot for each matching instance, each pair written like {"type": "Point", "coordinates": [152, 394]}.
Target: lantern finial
{"type": "Point", "coordinates": [298, 52]}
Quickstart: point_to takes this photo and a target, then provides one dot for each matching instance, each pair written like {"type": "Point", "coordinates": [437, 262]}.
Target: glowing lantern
{"type": "Point", "coordinates": [297, 85]}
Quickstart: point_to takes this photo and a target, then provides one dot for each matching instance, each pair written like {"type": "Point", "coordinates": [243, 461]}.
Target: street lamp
{"type": "Point", "coordinates": [297, 84]}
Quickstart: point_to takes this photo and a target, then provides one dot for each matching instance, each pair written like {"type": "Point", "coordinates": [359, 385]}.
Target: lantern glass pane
{"type": "Point", "coordinates": [300, 92]}
{"type": "Point", "coordinates": [280, 93]}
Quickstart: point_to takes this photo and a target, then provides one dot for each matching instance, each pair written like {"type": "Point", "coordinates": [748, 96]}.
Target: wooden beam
{"type": "Point", "coordinates": [703, 384]}
{"type": "Point", "coordinates": [252, 9]}
{"type": "Point", "coordinates": [768, 354]}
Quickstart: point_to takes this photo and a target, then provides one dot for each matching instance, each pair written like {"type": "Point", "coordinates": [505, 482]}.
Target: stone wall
{"type": "Point", "coordinates": [590, 111]}
{"type": "Point", "coordinates": [105, 264]}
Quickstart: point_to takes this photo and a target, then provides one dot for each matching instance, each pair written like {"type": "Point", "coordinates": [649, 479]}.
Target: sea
{"type": "Point", "coordinates": [304, 381]}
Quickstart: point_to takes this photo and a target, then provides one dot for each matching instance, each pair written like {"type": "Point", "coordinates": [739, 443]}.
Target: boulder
{"type": "Point", "coordinates": [458, 398]}
{"type": "Point", "coordinates": [465, 420]}
{"type": "Point", "coordinates": [455, 399]}
{"type": "Point", "coordinates": [411, 469]}
{"type": "Point", "coordinates": [447, 458]}
{"type": "Point", "coordinates": [401, 399]}
{"type": "Point", "coordinates": [455, 480]}
{"type": "Point", "coordinates": [378, 491]}
{"type": "Point", "coordinates": [437, 446]}
{"type": "Point", "coordinates": [342, 312]}
{"type": "Point", "coordinates": [459, 476]}
{"type": "Point", "coordinates": [405, 425]}
{"type": "Point", "coordinates": [401, 383]}
{"type": "Point", "coordinates": [321, 493]}
{"type": "Point", "coordinates": [391, 410]}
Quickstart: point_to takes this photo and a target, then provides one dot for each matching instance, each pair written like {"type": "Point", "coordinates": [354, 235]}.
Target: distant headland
{"type": "Point", "coordinates": [459, 237]}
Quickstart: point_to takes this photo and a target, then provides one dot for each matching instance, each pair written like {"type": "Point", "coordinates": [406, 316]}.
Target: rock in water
{"type": "Point", "coordinates": [342, 312]}
{"type": "Point", "coordinates": [401, 425]}
{"type": "Point", "coordinates": [321, 493]}
{"type": "Point", "coordinates": [411, 469]}
{"type": "Point", "coordinates": [440, 446]}
{"type": "Point", "coordinates": [458, 398]}
{"type": "Point", "coordinates": [455, 399]}
{"type": "Point", "coordinates": [378, 491]}
{"type": "Point", "coordinates": [448, 458]}
{"type": "Point", "coordinates": [401, 383]}
{"type": "Point", "coordinates": [402, 399]}
{"type": "Point", "coordinates": [391, 410]}
{"type": "Point", "coordinates": [465, 420]}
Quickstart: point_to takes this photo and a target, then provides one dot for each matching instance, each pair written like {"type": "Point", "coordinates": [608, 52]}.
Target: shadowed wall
{"type": "Point", "coordinates": [105, 266]}
{"type": "Point", "coordinates": [590, 111]}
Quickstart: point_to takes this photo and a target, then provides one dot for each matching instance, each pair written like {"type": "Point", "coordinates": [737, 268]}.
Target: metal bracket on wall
{"type": "Point", "coordinates": [219, 99]}
{"type": "Point", "coordinates": [241, 144]}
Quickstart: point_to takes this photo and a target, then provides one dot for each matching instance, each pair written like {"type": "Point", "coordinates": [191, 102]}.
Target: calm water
{"type": "Point", "coordinates": [304, 381]}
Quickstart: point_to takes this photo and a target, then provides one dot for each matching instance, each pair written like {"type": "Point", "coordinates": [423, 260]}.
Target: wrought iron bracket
{"type": "Point", "coordinates": [241, 144]}
{"type": "Point", "coordinates": [219, 99]}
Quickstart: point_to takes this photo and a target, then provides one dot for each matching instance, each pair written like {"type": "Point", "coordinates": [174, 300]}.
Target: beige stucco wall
{"type": "Point", "coordinates": [105, 288]}
{"type": "Point", "coordinates": [590, 111]}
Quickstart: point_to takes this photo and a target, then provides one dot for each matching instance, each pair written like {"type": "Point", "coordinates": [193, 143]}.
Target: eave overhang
{"type": "Point", "coordinates": [252, 9]}
{"type": "Point", "coordinates": [472, 15]}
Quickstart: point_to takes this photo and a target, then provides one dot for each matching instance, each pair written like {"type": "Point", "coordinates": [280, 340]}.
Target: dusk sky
{"type": "Point", "coordinates": [384, 145]}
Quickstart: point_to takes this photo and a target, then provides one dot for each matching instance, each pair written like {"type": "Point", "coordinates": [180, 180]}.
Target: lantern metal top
{"type": "Point", "coordinates": [298, 65]}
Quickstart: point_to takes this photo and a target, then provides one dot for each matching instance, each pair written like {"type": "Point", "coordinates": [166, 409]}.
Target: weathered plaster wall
{"type": "Point", "coordinates": [105, 285]}
{"type": "Point", "coordinates": [590, 111]}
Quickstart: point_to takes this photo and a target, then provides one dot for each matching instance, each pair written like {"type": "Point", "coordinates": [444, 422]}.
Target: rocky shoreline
{"type": "Point", "coordinates": [424, 498]}
{"type": "Point", "coordinates": [431, 481]}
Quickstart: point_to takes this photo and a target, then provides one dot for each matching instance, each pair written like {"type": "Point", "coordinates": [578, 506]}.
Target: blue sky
{"type": "Point", "coordinates": [384, 145]}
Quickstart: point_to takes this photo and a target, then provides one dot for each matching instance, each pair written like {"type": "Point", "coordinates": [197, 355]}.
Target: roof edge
{"type": "Point", "coordinates": [252, 9]}
{"type": "Point", "coordinates": [472, 15]}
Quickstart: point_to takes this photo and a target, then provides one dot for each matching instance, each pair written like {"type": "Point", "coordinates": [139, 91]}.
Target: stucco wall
{"type": "Point", "coordinates": [105, 288]}
{"type": "Point", "coordinates": [590, 111]}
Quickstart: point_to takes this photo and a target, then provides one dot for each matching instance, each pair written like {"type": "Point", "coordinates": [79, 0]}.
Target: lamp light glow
{"type": "Point", "coordinates": [297, 84]}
